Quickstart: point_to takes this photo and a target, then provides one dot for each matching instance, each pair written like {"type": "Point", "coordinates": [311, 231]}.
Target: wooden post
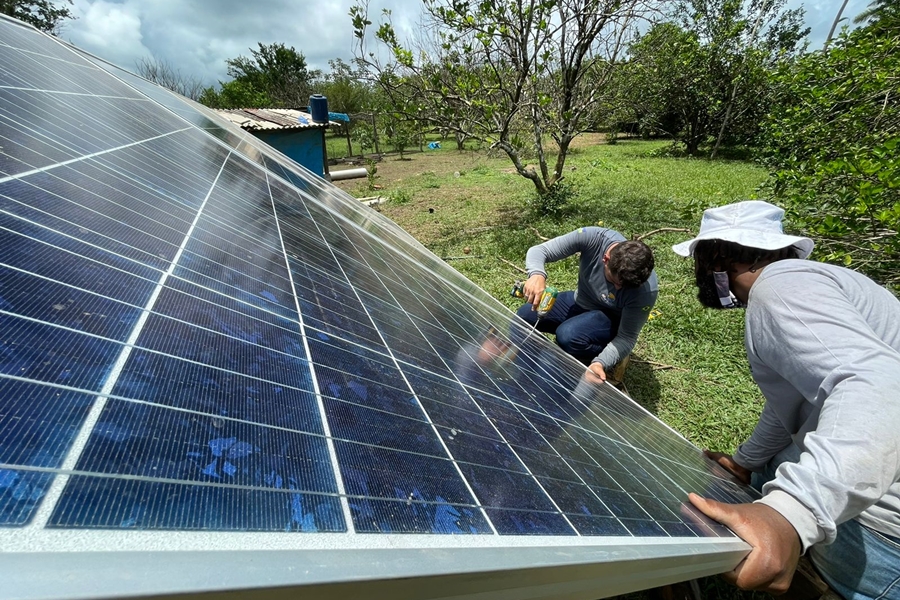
{"type": "Point", "coordinates": [375, 134]}
{"type": "Point", "coordinates": [349, 147]}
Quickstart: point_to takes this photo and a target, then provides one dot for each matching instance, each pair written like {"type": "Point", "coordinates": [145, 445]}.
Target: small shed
{"type": "Point", "coordinates": [291, 132]}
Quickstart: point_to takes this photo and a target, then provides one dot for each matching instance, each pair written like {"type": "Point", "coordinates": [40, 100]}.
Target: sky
{"type": "Point", "coordinates": [195, 37]}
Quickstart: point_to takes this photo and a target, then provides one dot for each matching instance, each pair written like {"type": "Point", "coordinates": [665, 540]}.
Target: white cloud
{"type": "Point", "coordinates": [111, 31]}
{"type": "Point", "coordinates": [197, 36]}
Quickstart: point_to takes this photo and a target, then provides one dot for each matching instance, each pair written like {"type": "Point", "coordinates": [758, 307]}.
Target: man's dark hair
{"type": "Point", "coordinates": [720, 255]}
{"type": "Point", "coordinates": [631, 263]}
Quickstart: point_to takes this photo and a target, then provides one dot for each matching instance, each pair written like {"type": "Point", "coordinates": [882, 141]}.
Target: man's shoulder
{"type": "Point", "coordinates": [807, 274]}
{"type": "Point", "coordinates": [600, 232]}
{"type": "Point", "coordinates": [646, 293]}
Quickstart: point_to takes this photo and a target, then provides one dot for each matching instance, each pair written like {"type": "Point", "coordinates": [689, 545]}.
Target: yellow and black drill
{"type": "Point", "coordinates": [548, 298]}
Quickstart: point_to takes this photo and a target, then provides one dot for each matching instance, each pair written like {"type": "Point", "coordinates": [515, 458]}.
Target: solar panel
{"type": "Point", "coordinates": [218, 372]}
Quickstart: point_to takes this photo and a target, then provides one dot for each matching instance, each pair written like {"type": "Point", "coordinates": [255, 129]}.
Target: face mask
{"type": "Point", "coordinates": [715, 292]}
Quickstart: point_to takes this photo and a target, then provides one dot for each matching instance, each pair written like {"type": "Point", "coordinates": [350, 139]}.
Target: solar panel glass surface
{"type": "Point", "coordinates": [200, 335]}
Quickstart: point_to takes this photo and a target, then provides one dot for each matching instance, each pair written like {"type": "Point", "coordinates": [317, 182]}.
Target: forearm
{"type": "Point", "coordinates": [769, 437]}
{"type": "Point", "coordinates": [850, 460]}
{"type": "Point", "coordinates": [553, 250]}
{"type": "Point", "coordinates": [619, 347]}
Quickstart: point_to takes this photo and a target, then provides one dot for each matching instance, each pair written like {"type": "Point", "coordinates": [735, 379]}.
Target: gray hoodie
{"type": "Point", "coordinates": [629, 309]}
{"type": "Point", "coordinates": [824, 346]}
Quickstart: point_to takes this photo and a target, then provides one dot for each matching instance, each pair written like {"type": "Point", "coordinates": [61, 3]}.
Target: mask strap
{"type": "Point", "coordinates": [723, 290]}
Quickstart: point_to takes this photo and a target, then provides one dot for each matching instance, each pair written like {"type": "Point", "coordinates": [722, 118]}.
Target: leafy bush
{"type": "Point", "coordinates": [363, 135]}
{"type": "Point", "coordinates": [371, 173]}
{"type": "Point", "coordinates": [554, 201]}
{"type": "Point", "coordinates": [832, 146]}
{"type": "Point", "coordinates": [400, 196]}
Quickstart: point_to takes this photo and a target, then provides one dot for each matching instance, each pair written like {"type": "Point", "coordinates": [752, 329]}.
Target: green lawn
{"type": "Point", "coordinates": [689, 366]}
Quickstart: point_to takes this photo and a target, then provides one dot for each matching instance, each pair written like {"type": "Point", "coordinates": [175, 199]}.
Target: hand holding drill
{"type": "Point", "coordinates": [541, 296]}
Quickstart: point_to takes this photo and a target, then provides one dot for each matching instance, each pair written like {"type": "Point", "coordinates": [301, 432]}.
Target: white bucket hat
{"type": "Point", "coordinates": [752, 223]}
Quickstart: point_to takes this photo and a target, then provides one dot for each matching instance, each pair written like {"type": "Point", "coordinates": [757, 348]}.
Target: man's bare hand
{"type": "Point", "coordinates": [534, 289]}
{"type": "Point", "coordinates": [595, 373]}
{"type": "Point", "coordinates": [771, 563]}
{"type": "Point", "coordinates": [727, 462]}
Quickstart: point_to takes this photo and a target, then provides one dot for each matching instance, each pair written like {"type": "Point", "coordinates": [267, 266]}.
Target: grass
{"type": "Point", "coordinates": [689, 366]}
{"type": "Point", "coordinates": [336, 145]}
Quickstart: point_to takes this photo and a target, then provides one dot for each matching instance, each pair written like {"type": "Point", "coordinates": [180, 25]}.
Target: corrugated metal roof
{"type": "Point", "coordinates": [255, 119]}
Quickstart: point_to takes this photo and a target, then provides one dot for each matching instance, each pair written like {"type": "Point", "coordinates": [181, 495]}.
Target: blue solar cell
{"type": "Point", "coordinates": [414, 516]}
{"type": "Point", "coordinates": [107, 503]}
{"type": "Point", "coordinates": [20, 494]}
{"type": "Point", "coordinates": [601, 526]}
{"type": "Point", "coordinates": [66, 306]}
{"type": "Point", "coordinates": [72, 210]}
{"type": "Point", "coordinates": [529, 522]}
{"type": "Point", "coordinates": [51, 354]}
{"type": "Point", "coordinates": [38, 423]}
{"type": "Point", "coordinates": [644, 528]}
{"type": "Point", "coordinates": [362, 376]}
{"type": "Point", "coordinates": [497, 488]}
{"type": "Point", "coordinates": [156, 442]}
{"type": "Point", "coordinates": [222, 351]}
{"type": "Point", "coordinates": [387, 430]}
{"type": "Point", "coordinates": [22, 37]}
{"type": "Point", "coordinates": [382, 473]}
{"type": "Point", "coordinates": [575, 498]}
{"type": "Point", "coordinates": [35, 250]}
{"type": "Point", "coordinates": [218, 392]}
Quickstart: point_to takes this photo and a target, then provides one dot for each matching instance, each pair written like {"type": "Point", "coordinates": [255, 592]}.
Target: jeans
{"type": "Point", "coordinates": [579, 332]}
{"type": "Point", "coordinates": [862, 563]}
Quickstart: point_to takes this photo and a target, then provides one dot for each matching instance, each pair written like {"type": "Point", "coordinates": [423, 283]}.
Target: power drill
{"type": "Point", "coordinates": [548, 299]}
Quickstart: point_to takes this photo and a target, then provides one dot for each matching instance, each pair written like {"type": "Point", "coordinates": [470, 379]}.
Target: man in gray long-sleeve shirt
{"type": "Point", "coordinates": [823, 344]}
{"type": "Point", "coordinates": [599, 322]}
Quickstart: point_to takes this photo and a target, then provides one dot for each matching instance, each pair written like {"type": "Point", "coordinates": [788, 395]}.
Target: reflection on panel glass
{"type": "Point", "coordinates": [200, 335]}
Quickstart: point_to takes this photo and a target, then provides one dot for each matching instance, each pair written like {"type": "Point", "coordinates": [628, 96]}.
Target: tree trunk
{"type": "Point", "coordinates": [375, 135]}
{"type": "Point", "coordinates": [837, 19]}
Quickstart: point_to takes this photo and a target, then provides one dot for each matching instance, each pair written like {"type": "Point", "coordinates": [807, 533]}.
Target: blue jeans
{"type": "Point", "coordinates": [579, 332]}
{"type": "Point", "coordinates": [861, 564]}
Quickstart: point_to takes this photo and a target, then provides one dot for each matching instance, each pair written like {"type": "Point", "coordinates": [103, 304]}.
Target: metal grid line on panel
{"type": "Point", "coordinates": [326, 427]}
{"type": "Point", "coordinates": [205, 344]}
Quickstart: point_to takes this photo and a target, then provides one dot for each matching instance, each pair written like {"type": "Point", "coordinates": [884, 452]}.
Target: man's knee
{"type": "Point", "coordinates": [574, 343]}
{"type": "Point", "coordinates": [527, 314]}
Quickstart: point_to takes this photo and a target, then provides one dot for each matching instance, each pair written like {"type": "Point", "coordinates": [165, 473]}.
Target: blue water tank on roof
{"type": "Point", "coordinates": [318, 108]}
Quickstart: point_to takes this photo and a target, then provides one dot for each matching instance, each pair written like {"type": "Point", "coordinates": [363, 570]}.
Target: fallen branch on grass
{"type": "Point", "coordinates": [462, 257]}
{"type": "Point", "coordinates": [514, 265]}
{"type": "Point", "coordinates": [661, 230]}
{"type": "Point", "coordinates": [657, 366]}
{"type": "Point", "coordinates": [538, 233]}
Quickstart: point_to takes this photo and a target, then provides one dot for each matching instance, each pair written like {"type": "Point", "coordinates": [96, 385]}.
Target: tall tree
{"type": "Point", "coordinates": [713, 61]}
{"type": "Point", "coordinates": [744, 39]}
{"type": "Point", "coordinates": [884, 11]}
{"type": "Point", "coordinates": [666, 85]}
{"type": "Point", "coordinates": [833, 142]}
{"type": "Point", "coordinates": [528, 74]}
{"type": "Point", "coordinates": [164, 74]}
{"type": "Point", "coordinates": [234, 94]}
{"type": "Point", "coordinates": [279, 72]}
{"type": "Point", "coordinates": [345, 88]}
{"type": "Point", "coordinates": [43, 14]}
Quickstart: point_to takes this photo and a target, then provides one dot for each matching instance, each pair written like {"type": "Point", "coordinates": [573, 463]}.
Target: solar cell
{"type": "Point", "coordinates": [205, 346]}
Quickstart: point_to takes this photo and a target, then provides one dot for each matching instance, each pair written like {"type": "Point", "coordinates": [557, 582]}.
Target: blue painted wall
{"type": "Point", "coordinates": [306, 146]}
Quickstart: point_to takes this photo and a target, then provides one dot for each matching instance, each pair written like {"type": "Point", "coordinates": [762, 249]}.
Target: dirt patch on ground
{"type": "Point", "coordinates": [392, 169]}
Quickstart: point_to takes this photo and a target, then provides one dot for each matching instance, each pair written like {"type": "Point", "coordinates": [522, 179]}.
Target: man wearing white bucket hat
{"type": "Point", "coordinates": [823, 344]}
